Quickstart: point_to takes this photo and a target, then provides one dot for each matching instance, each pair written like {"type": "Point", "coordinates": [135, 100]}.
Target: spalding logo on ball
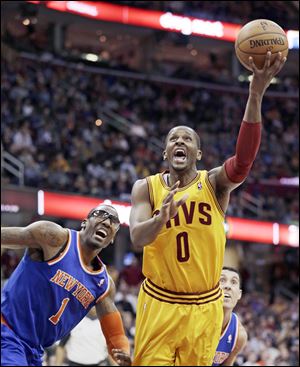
{"type": "Point", "coordinates": [258, 37]}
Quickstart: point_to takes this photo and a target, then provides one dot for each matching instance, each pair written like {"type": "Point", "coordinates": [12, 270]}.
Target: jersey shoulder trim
{"type": "Point", "coordinates": [150, 191]}
{"type": "Point", "coordinates": [161, 177]}
{"type": "Point", "coordinates": [62, 254]}
{"type": "Point", "coordinates": [212, 191]}
{"type": "Point", "coordinates": [226, 328]}
{"type": "Point", "coordinates": [84, 268]}
{"type": "Point", "coordinates": [236, 330]}
{"type": "Point", "coordinates": [105, 293]}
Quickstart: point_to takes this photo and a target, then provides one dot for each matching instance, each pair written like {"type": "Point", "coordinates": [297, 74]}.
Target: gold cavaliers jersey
{"type": "Point", "coordinates": [187, 255]}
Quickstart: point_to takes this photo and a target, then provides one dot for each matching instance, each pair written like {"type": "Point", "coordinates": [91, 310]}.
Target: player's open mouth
{"type": "Point", "coordinates": [227, 296]}
{"type": "Point", "coordinates": [180, 155]}
{"type": "Point", "coordinates": [102, 233]}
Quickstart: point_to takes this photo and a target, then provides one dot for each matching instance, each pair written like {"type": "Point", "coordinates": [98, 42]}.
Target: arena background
{"type": "Point", "coordinates": [88, 92]}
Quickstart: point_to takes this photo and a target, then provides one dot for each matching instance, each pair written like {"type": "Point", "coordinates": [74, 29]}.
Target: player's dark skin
{"type": "Point", "coordinates": [48, 237]}
{"type": "Point", "coordinates": [143, 227]}
{"type": "Point", "coordinates": [45, 239]}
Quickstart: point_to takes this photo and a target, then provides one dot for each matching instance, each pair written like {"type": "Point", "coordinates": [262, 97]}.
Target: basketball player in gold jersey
{"type": "Point", "coordinates": [177, 218]}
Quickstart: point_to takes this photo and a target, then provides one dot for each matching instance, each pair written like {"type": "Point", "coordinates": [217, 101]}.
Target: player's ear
{"type": "Point", "coordinates": [83, 224]}
{"type": "Point", "coordinates": [164, 155]}
{"type": "Point", "coordinates": [199, 155]}
{"type": "Point", "coordinates": [240, 295]}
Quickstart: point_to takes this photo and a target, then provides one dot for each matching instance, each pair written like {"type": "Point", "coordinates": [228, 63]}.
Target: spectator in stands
{"type": "Point", "coordinates": [85, 345]}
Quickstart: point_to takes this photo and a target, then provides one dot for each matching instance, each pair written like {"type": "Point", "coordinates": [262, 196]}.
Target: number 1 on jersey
{"type": "Point", "coordinates": [55, 318]}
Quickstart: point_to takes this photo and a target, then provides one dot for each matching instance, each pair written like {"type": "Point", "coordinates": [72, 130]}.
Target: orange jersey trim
{"type": "Point", "coordinates": [60, 256]}
{"type": "Point", "coordinates": [4, 322]}
{"type": "Point", "coordinates": [84, 267]}
{"type": "Point", "coordinates": [225, 330]}
{"type": "Point", "coordinates": [105, 293]}
{"type": "Point", "coordinates": [237, 332]}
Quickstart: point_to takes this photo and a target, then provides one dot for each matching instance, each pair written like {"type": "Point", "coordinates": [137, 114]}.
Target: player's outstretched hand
{"type": "Point", "coordinates": [122, 358]}
{"type": "Point", "coordinates": [262, 77]}
{"type": "Point", "coordinates": [169, 206]}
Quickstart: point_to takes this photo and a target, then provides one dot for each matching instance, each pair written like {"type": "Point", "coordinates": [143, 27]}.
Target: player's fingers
{"type": "Point", "coordinates": [267, 60]}
{"type": "Point", "coordinates": [117, 350]}
{"type": "Point", "coordinates": [252, 65]}
{"type": "Point", "coordinates": [123, 361]}
{"type": "Point", "coordinates": [122, 358]}
{"type": "Point", "coordinates": [283, 61]}
{"type": "Point", "coordinates": [278, 64]}
{"type": "Point", "coordinates": [182, 200]}
{"type": "Point", "coordinates": [277, 61]}
{"type": "Point", "coordinates": [175, 186]}
{"type": "Point", "coordinates": [164, 208]}
{"type": "Point", "coordinates": [170, 196]}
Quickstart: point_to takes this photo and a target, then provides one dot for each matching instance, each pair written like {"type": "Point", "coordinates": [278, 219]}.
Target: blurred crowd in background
{"type": "Point", "coordinates": [48, 122]}
{"type": "Point", "coordinates": [228, 11]}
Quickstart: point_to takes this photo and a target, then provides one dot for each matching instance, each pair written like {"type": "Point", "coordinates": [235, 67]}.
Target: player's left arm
{"type": "Point", "coordinates": [234, 171]}
{"type": "Point", "coordinates": [112, 328]}
{"type": "Point", "coordinates": [239, 346]}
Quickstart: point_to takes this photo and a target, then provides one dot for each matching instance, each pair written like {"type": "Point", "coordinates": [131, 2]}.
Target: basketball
{"type": "Point", "coordinates": [258, 37]}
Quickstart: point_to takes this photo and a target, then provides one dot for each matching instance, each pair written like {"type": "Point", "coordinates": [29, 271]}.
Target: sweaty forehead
{"type": "Point", "coordinates": [181, 130]}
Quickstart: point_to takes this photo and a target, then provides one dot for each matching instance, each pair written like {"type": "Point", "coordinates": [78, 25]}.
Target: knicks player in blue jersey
{"type": "Point", "coordinates": [59, 279]}
{"type": "Point", "coordinates": [234, 336]}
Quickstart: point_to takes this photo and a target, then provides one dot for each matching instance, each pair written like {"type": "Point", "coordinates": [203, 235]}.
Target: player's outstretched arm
{"type": "Point", "coordinates": [239, 346]}
{"type": "Point", "coordinates": [261, 80]}
{"type": "Point", "coordinates": [112, 328]}
{"type": "Point", "coordinates": [235, 169]}
{"type": "Point", "coordinates": [143, 227]}
{"type": "Point", "coordinates": [39, 234]}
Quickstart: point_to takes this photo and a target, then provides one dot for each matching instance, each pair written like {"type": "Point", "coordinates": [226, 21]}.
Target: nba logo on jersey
{"type": "Point", "coordinates": [199, 185]}
{"type": "Point", "coordinates": [101, 282]}
{"type": "Point", "coordinates": [229, 339]}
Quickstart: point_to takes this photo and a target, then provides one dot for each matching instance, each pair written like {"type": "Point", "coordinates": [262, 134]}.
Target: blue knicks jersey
{"type": "Point", "coordinates": [227, 341]}
{"type": "Point", "coordinates": [43, 301]}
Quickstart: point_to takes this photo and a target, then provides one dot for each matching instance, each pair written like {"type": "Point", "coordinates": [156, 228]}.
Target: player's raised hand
{"type": "Point", "coordinates": [122, 358]}
{"type": "Point", "coordinates": [169, 206]}
{"type": "Point", "coordinates": [262, 77]}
